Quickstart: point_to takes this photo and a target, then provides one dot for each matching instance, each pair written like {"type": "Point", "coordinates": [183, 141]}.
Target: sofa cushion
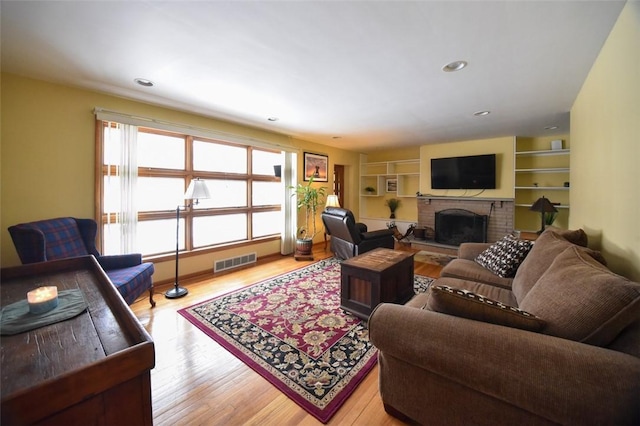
{"type": "Point", "coordinates": [466, 304]}
{"type": "Point", "coordinates": [546, 248]}
{"type": "Point", "coordinates": [575, 236]}
{"type": "Point", "coordinates": [470, 270]}
{"type": "Point", "coordinates": [491, 291]}
{"type": "Point", "coordinates": [504, 256]}
{"type": "Point", "coordinates": [582, 300]}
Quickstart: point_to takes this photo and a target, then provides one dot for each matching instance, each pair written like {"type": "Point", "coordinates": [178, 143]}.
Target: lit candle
{"type": "Point", "coordinates": [42, 299]}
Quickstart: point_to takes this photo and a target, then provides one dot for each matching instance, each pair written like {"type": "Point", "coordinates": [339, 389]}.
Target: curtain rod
{"type": "Point", "coordinates": [105, 114]}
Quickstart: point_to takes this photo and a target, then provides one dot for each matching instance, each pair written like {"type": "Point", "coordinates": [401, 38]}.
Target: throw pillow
{"type": "Point", "coordinates": [465, 304]}
{"type": "Point", "coordinates": [582, 300]}
{"type": "Point", "coordinates": [504, 257]}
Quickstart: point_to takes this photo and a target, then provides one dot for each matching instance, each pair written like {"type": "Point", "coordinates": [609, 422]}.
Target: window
{"type": "Point", "coordinates": [245, 204]}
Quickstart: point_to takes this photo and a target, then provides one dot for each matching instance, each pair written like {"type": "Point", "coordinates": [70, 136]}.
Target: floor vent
{"type": "Point", "coordinates": [233, 262]}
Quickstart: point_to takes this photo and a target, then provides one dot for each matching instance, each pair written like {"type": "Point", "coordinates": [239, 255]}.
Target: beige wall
{"type": "Point", "coordinates": [48, 159]}
{"type": "Point", "coordinates": [605, 148]}
{"type": "Point", "coordinates": [503, 147]}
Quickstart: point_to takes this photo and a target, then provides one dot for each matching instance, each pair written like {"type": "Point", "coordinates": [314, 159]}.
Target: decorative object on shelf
{"type": "Point", "coordinates": [556, 144]}
{"type": "Point", "coordinates": [309, 198]}
{"type": "Point", "coordinates": [197, 190]}
{"type": "Point", "coordinates": [316, 167]}
{"type": "Point", "coordinates": [393, 204]}
{"type": "Point", "coordinates": [542, 206]}
{"type": "Point", "coordinates": [392, 185]}
{"type": "Point", "coordinates": [370, 190]}
{"type": "Point", "coordinates": [566, 184]}
{"type": "Point", "coordinates": [277, 170]}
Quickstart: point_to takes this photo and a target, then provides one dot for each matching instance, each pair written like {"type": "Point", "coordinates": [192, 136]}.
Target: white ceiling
{"type": "Point", "coordinates": [369, 72]}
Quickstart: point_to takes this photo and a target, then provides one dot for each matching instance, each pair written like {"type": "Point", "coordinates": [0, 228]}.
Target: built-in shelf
{"type": "Point", "coordinates": [544, 152]}
{"type": "Point", "coordinates": [551, 188]}
{"type": "Point", "coordinates": [390, 179]}
{"type": "Point", "coordinates": [540, 172]}
{"type": "Point", "coordinates": [545, 170]}
{"type": "Point", "coordinates": [563, 206]}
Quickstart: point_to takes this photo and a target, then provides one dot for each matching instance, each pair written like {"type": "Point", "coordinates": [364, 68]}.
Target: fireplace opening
{"type": "Point", "coordinates": [457, 226]}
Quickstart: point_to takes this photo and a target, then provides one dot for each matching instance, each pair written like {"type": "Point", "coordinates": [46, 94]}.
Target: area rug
{"type": "Point", "coordinates": [291, 330]}
{"type": "Point", "coordinates": [433, 258]}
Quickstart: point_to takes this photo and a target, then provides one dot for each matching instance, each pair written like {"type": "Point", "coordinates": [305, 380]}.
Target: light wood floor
{"type": "Point", "coordinates": [197, 382]}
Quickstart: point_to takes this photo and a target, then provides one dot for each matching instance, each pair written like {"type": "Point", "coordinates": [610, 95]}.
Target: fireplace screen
{"type": "Point", "coordinates": [456, 226]}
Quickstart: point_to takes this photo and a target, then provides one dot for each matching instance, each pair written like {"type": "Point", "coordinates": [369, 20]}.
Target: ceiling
{"type": "Point", "coordinates": [359, 75]}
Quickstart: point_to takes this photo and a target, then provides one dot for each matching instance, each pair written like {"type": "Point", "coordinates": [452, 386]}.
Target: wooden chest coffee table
{"type": "Point", "coordinates": [381, 275]}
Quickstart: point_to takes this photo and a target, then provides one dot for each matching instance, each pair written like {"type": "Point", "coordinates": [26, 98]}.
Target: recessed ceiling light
{"type": "Point", "coordinates": [143, 82]}
{"type": "Point", "coordinates": [273, 119]}
{"type": "Point", "coordinates": [481, 113]}
{"type": "Point", "coordinates": [551, 127]}
{"type": "Point", "coordinates": [454, 66]}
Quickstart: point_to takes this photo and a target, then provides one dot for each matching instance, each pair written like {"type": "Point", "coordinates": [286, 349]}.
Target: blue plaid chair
{"type": "Point", "coordinates": [65, 237]}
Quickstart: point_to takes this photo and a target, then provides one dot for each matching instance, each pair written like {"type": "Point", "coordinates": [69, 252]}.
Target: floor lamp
{"type": "Point", "coordinates": [197, 190]}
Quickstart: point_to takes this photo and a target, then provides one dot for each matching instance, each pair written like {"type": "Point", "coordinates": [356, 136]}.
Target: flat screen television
{"type": "Point", "coordinates": [470, 172]}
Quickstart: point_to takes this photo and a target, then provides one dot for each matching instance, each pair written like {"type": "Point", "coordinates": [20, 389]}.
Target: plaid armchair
{"type": "Point", "coordinates": [65, 237]}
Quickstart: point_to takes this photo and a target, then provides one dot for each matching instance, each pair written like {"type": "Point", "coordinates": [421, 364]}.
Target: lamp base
{"type": "Point", "coordinates": [176, 292]}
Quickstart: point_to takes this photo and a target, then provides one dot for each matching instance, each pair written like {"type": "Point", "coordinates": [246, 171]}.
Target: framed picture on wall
{"type": "Point", "coordinates": [316, 166]}
{"type": "Point", "coordinates": [392, 185]}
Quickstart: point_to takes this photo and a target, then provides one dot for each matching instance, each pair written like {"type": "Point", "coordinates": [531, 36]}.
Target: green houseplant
{"type": "Point", "coordinates": [309, 198]}
{"type": "Point", "coordinates": [393, 204]}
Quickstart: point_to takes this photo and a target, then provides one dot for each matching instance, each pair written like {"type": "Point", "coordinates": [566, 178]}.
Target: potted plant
{"type": "Point", "coordinates": [370, 190]}
{"type": "Point", "coordinates": [393, 204]}
{"type": "Point", "coordinates": [308, 198]}
{"type": "Point", "coordinates": [549, 218]}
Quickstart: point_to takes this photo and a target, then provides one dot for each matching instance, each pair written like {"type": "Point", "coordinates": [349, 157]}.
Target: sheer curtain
{"type": "Point", "coordinates": [289, 210]}
{"type": "Point", "coordinates": [121, 147]}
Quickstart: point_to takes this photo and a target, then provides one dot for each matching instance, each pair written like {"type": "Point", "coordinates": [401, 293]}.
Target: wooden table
{"type": "Point", "coordinates": [380, 275]}
{"type": "Point", "coordinates": [91, 369]}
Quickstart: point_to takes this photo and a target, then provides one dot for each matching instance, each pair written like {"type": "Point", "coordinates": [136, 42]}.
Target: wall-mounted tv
{"type": "Point", "coordinates": [470, 172]}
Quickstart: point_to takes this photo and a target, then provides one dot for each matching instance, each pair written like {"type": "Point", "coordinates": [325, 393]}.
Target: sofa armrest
{"type": "Point", "coordinates": [119, 261]}
{"type": "Point", "coordinates": [559, 379]}
{"type": "Point", "coordinates": [470, 251]}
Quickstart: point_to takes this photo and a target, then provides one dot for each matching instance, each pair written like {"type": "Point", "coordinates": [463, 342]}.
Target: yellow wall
{"type": "Point", "coordinates": [605, 148]}
{"type": "Point", "coordinates": [502, 147]}
{"type": "Point", "coordinates": [48, 159]}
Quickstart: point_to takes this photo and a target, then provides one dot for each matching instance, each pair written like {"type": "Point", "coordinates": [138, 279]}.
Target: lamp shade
{"type": "Point", "coordinates": [197, 190]}
{"type": "Point", "coordinates": [332, 201]}
{"type": "Point", "coordinates": [543, 205]}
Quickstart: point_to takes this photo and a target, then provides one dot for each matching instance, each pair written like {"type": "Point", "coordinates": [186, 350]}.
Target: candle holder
{"type": "Point", "coordinates": [42, 299]}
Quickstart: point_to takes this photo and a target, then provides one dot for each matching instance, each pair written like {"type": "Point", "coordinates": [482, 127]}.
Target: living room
{"type": "Point", "coordinates": [48, 161]}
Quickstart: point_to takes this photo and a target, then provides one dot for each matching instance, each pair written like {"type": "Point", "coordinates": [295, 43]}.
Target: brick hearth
{"type": "Point", "coordinates": [500, 217]}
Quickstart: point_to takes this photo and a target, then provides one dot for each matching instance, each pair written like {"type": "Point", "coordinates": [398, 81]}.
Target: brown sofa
{"type": "Point", "coordinates": [558, 343]}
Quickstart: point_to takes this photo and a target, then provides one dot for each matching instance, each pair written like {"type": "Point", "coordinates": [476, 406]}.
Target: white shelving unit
{"type": "Point", "coordinates": [539, 172]}
{"type": "Point", "coordinates": [389, 179]}
{"type": "Point", "coordinates": [376, 175]}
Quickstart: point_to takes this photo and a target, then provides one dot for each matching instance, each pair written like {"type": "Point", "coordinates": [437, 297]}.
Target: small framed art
{"type": "Point", "coordinates": [316, 166]}
{"type": "Point", "coordinates": [392, 185]}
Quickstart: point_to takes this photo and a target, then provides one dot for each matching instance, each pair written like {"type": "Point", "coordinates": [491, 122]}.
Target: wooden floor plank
{"type": "Point", "coordinates": [197, 382]}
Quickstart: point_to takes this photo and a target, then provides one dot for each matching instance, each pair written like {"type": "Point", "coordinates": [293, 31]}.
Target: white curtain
{"type": "Point", "coordinates": [289, 209]}
{"type": "Point", "coordinates": [120, 146]}
{"type": "Point", "coordinates": [128, 172]}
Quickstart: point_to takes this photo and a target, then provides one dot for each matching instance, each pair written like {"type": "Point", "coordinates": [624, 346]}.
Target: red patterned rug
{"type": "Point", "coordinates": [291, 330]}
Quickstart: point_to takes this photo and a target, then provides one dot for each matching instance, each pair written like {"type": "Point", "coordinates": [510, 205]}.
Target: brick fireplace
{"type": "Point", "coordinates": [499, 214]}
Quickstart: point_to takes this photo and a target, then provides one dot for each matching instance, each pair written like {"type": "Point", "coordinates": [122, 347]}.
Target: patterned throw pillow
{"type": "Point", "coordinates": [504, 257]}
{"type": "Point", "coordinates": [465, 304]}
